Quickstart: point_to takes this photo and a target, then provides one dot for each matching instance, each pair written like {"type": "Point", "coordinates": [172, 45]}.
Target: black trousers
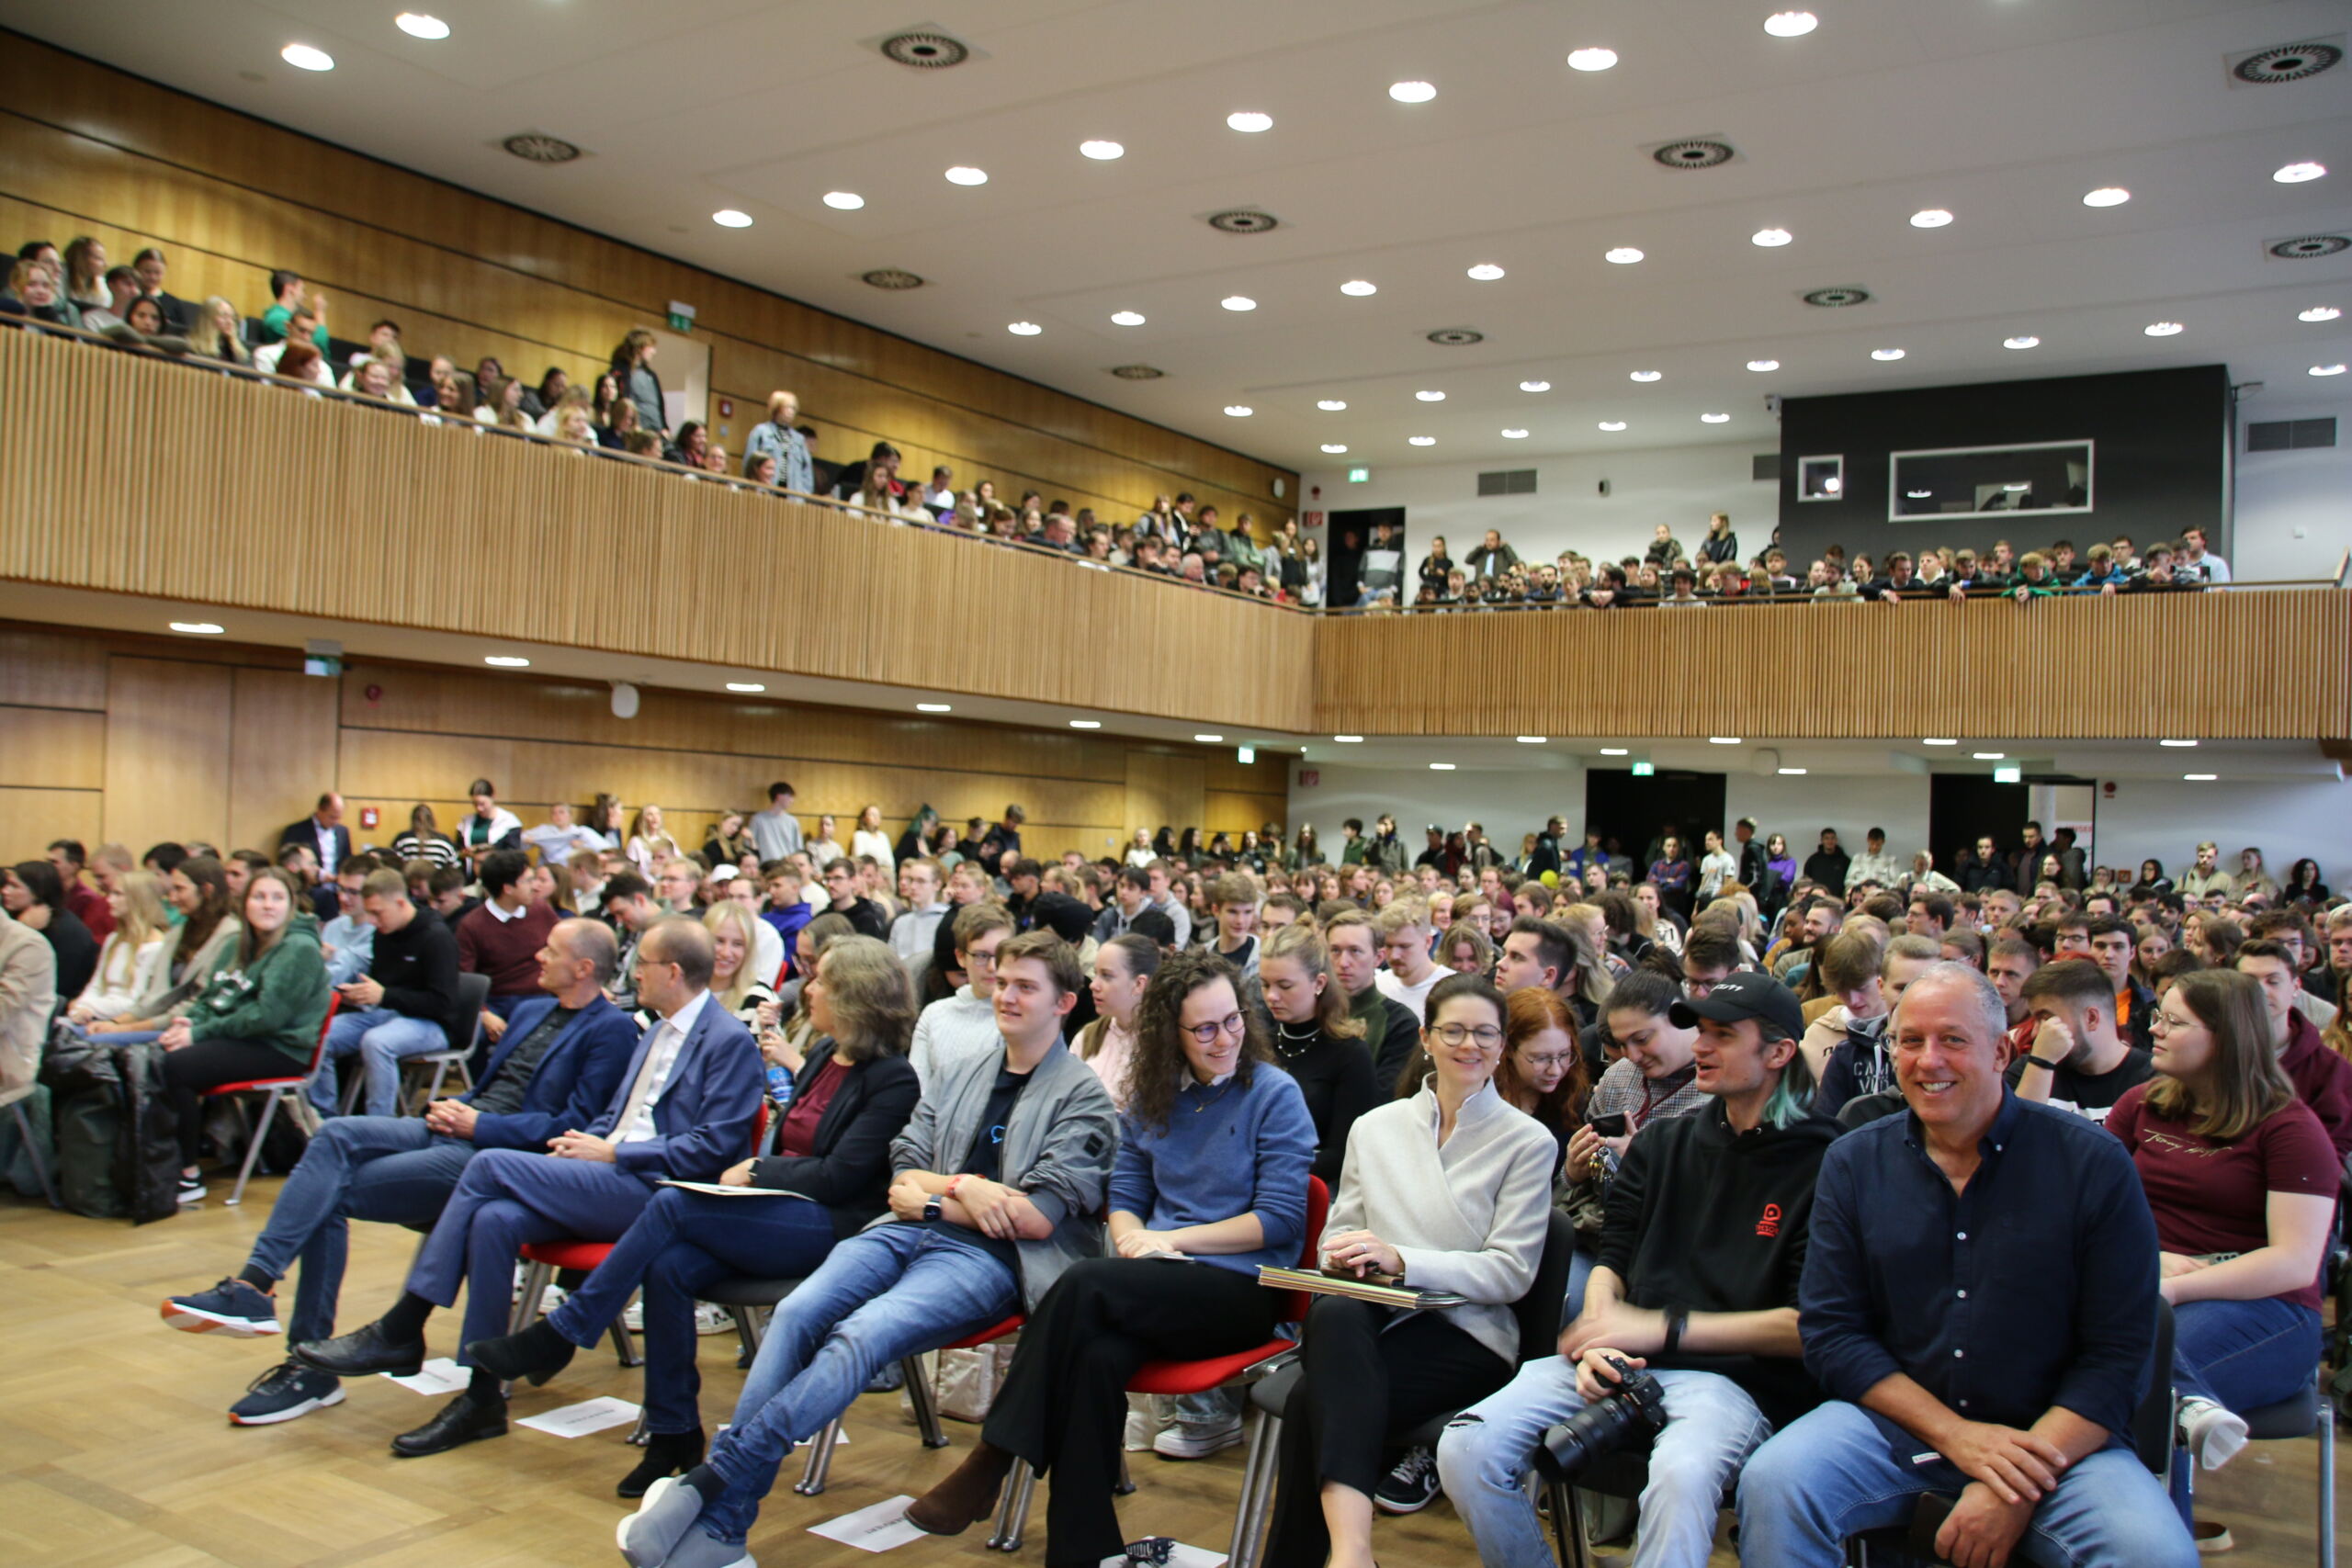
{"type": "Point", "coordinates": [1358, 1391]}
{"type": "Point", "coordinates": [192, 1069]}
{"type": "Point", "coordinates": [1063, 1406]}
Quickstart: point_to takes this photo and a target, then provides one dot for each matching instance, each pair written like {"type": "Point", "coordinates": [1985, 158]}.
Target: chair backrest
{"type": "Point", "coordinates": [465, 1023]}
{"type": "Point", "coordinates": [2152, 1424]}
{"type": "Point", "coordinates": [1310, 1254]}
{"type": "Point", "coordinates": [1539, 1310]}
{"type": "Point", "coordinates": [319, 1047]}
{"type": "Point", "coordinates": [760, 1127]}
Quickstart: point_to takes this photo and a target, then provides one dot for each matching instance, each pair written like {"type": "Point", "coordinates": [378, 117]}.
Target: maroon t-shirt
{"type": "Point", "coordinates": [811, 1096]}
{"type": "Point", "coordinates": [2213, 1197]}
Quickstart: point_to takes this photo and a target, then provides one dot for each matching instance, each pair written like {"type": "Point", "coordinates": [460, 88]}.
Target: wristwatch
{"type": "Point", "coordinates": [931, 1209]}
{"type": "Point", "coordinates": [1677, 1319]}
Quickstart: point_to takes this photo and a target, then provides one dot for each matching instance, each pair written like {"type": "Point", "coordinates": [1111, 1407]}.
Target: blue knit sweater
{"type": "Point", "coordinates": [1226, 1151]}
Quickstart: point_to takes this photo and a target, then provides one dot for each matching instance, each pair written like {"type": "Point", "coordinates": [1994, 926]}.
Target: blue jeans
{"type": "Point", "coordinates": [883, 1295]}
{"type": "Point", "coordinates": [1840, 1469]}
{"type": "Point", "coordinates": [367, 1168]}
{"type": "Point", "coordinates": [682, 1245]}
{"type": "Point", "coordinates": [380, 1038]}
{"type": "Point", "coordinates": [505, 1198]}
{"type": "Point", "coordinates": [1712, 1426]}
{"type": "Point", "coordinates": [2242, 1355]}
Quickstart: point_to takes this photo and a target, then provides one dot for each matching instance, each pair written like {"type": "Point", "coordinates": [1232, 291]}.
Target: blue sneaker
{"type": "Point", "coordinates": [284, 1392]}
{"type": "Point", "coordinates": [230, 1307]}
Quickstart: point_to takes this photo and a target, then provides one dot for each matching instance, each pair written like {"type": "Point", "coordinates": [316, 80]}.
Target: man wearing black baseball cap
{"type": "Point", "coordinates": [1696, 1283]}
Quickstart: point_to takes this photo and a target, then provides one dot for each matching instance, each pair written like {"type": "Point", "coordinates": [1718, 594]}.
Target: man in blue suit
{"type": "Point", "coordinates": [556, 1067]}
{"type": "Point", "coordinates": [682, 1110]}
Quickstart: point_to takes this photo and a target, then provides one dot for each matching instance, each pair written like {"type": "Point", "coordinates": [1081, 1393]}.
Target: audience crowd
{"type": "Point", "coordinates": [1802, 1146]}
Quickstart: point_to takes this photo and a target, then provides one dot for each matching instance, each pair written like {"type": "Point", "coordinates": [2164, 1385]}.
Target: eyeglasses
{"type": "Point", "coordinates": [1486, 1034]}
{"type": "Point", "coordinates": [1207, 1033]}
{"type": "Point", "coordinates": [1546, 1063]}
{"type": "Point", "coordinates": [988, 958]}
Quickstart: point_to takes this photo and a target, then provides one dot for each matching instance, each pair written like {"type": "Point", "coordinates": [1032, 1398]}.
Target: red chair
{"type": "Point", "coordinates": [288, 1090]}
{"type": "Point", "coordinates": [820, 1446]}
{"type": "Point", "coordinates": [1175, 1378]}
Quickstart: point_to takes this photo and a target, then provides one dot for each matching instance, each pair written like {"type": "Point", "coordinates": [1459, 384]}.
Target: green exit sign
{"type": "Point", "coordinates": [1359, 476]}
{"type": "Point", "coordinates": [1644, 770]}
{"type": "Point", "coordinates": [679, 323]}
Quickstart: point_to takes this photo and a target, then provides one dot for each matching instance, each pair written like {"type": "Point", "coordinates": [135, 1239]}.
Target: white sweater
{"type": "Point", "coordinates": [123, 975]}
{"type": "Point", "coordinates": [1470, 1217]}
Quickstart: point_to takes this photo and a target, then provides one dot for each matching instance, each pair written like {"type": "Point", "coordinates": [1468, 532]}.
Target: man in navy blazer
{"type": "Point", "coordinates": [555, 1068]}
{"type": "Point", "coordinates": [323, 834]}
{"type": "Point", "coordinates": [682, 1110]}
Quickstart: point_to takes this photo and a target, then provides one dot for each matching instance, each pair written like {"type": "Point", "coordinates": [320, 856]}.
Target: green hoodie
{"type": "Point", "coordinates": [280, 1002]}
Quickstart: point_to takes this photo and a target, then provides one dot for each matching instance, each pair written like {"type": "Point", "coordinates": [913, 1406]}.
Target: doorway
{"type": "Point", "coordinates": [1632, 814]}
{"type": "Point", "coordinates": [683, 364]}
{"type": "Point", "coordinates": [1344, 542]}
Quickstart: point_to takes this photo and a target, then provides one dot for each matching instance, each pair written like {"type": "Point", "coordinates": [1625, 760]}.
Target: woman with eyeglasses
{"type": "Point", "coordinates": [1448, 1189]}
{"type": "Point", "coordinates": [1210, 1182]}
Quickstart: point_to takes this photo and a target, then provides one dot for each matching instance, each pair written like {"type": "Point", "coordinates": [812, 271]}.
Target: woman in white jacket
{"type": "Point", "coordinates": [130, 964]}
{"type": "Point", "coordinates": [1450, 1190]}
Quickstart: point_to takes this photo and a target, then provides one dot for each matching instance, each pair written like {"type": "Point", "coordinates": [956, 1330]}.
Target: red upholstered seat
{"type": "Point", "coordinates": [1199, 1377]}
{"type": "Point", "coordinates": [567, 1253]}
{"type": "Point", "coordinates": [994, 1331]}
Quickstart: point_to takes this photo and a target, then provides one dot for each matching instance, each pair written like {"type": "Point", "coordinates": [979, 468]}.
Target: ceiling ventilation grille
{"type": "Point", "coordinates": [1507, 481]}
{"type": "Point", "coordinates": [924, 49]}
{"type": "Point", "coordinates": [2288, 434]}
{"type": "Point", "coordinates": [1242, 221]}
{"type": "Point", "coordinates": [2284, 62]}
{"type": "Point", "coordinates": [537, 146]}
{"type": "Point", "coordinates": [1137, 372]}
{"type": "Point", "coordinates": [892, 277]}
{"type": "Point", "coordinates": [1456, 337]}
{"type": "Point", "coordinates": [2310, 247]}
{"type": "Point", "coordinates": [1839, 298]}
{"type": "Point", "coordinates": [1696, 152]}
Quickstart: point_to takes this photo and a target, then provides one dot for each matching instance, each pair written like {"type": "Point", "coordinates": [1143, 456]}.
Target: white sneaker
{"type": "Point", "coordinates": [710, 1318]}
{"type": "Point", "coordinates": [1181, 1441]}
{"type": "Point", "coordinates": [2214, 1434]}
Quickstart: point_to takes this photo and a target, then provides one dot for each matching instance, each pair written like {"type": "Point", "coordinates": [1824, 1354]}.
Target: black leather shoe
{"type": "Point", "coordinates": [464, 1419]}
{"type": "Point", "coordinates": [538, 1353]}
{"type": "Point", "coordinates": [362, 1351]}
{"type": "Point", "coordinates": [666, 1453]}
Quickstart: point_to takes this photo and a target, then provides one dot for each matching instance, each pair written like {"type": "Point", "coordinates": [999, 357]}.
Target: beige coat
{"type": "Point", "coordinates": [28, 997]}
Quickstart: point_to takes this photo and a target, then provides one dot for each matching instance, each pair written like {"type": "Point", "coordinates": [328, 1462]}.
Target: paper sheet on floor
{"type": "Point", "coordinates": [439, 1376]}
{"type": "Point", "coordinates": [579, 1420]}
{"type": "Point", "coordinates": [1194, 1557]}
{"type": "Point", "coordinates": [875, 1529]}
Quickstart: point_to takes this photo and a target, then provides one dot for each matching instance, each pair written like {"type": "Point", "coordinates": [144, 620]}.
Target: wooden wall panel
{"type": "Point", "coordinates": [53, 748]}
{"type": "Point", "coordinates": [1164, 791]}
{"type": "Point", "coordinates": [167, 752]}
{"type": "Point", "coordinates": [43, 668]}
{"type": "Point", "coordinates": [31, 818]}
{"type": "Point", "coordinates": [90, 149]}
{"type": "Point", "coordinates": [281, 751]}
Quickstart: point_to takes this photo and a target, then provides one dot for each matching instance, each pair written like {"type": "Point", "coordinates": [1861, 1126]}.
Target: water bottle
{"type": "Point", "coordinates": [779, 1084]}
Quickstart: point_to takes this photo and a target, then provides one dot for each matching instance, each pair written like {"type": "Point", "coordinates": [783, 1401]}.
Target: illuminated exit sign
{"type": "Point", "coordinates": [1359, 476]}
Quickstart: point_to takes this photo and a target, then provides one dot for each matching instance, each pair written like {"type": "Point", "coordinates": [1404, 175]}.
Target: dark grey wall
{"type": "Point", "coordinates": [2162, 436]}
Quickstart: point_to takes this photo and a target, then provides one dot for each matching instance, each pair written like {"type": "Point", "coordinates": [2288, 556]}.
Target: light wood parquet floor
{"type": "Point", "coordinates": [115, 1451]}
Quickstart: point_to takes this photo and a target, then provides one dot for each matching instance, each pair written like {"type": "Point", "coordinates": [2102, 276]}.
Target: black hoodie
{"type": "Point", "coordinates": [1710, 1221]}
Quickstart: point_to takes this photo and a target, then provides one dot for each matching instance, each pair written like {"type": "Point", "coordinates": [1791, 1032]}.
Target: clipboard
{"type": "Point", "coordinates": [1315, 1282]}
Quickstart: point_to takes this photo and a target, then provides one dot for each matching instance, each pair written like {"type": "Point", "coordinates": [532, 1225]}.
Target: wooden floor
{"type": "Point", "coordinates": [113, 1448]}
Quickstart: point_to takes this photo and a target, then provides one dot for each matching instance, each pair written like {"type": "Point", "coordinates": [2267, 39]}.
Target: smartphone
{"type": "Point", "coordinates": [1610, 1126]}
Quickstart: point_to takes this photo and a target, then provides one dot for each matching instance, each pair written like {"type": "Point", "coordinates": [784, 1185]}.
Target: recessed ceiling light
{"type": "Point", "coordinates": [1430, 396]}
{"type": "Point", "coordinates": [1514, 434]}
{"type": "Point", "coordinates": [1440, 767]}
{"type": "Point", "coordinates": [2335, 369]}
{"type": "Point", "coordinates": [1356, 287]}
{"type": "Point", "coordinates": [1101, 151]}
{"type": "Point", "coordinates": [1770, 237]}
{"type": "Point", "coordinates": [1931, 218]}
{"type": "Point", "coordinates": [416, 24]}
{"type": "Point", "coordinates": [1612, 750]}
{"type": "Point", "coordinates": [1714, 419]}
{"type": "Point", "coordinates": [1791, 772]}
{"type": "Point", "coordinates": [1348, 739]}
{"type": "Point", "coordinates": [1238, 302]}
{"type": "Point", "coordinates": [1623, 256]}
{"type": "Point", "coordinates": [1335, 448]}
{"type": "Point", "coordinates": [1646, 376]}
{"type": "Point", "coordinates": [727, 218]}
{"type": "Point", "coordinates": [1790, 24]}
{"type": "Point", "coordinates": [1763, 364]}
{"type": "Point", "coordinates": [1421, 440]}
{"type": "Point", "coordinates": [1086, 724]}
{"type": "Point", "coordinates": [2107, 196]}
{"type": "Point", "coordinates": [1591, 59]}
{"type": "Point", "coordinates": [1939, 741]}
{"type": "Point", "coordinates": [1239, 411]}
{"type": "Point", "coordinates": [1126, 318]}
{"type": "Point", "coordinates": [1536, 386]}
{"type": "Point", "coordinates": [2176, 742]}
{"type": "Point", "coordinates": [2199, 778]}
{"type": "Point", "coordinates": [2318, 313]}
{"type": "Point", "coordinates": [1411, 91]}
{"type": "Point", "coordinates": [2296, 173]}
{"type": "Point", "coordinates": [1723, 740]}
{"type": "Point", "coordinates": [302, 57]}
{"type": "Point", "coordinates": [2026, 340]}
{"type": "Point", "coordinates": [934, 708]}
{"type": "Point", "coordinates": [197, 629]}
{"type": "Point", "coordinates": [1208, 740]}
{"type": "Point", "coordinates": [1024, 329]}
{"type": "Point", "coordinates": [749, 688]}
{"type": "Point", "coordinates": [1486, 272]}
{"type": "Point", "coordinates": [2163, 329]}
{"type": "Point", "coordinates": [1988, 756]}
{"type": "Point", "coordinates": [843, 201]}
{"type": "Point", "coordinates": [1613, 424]}
{"type": "Point", "coordinates": [506, 661]}
{"type": "Point", "coordinates": [1533, 739]}
{"type": "Point", "coordinates": [1250, 121]}
{"type": "Point", "coordinates": [1331, 405]}
{"type": "Point", "coordinates": [1886, 354]}
{"type": "Point", "coordinates": [964, 175]}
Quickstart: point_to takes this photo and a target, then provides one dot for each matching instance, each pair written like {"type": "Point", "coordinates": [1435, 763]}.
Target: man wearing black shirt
{"type": "Point", "coordinates": [841, 881]}
{"type": "Point", "coordinates": [404, 1006]}
{"type": "Point", "coordinates": [1697, 1284]}
{"type": "Point", "coordinates": [2078, 1061]}
{"type": "Point", "coordinates": [1828, 865]}
{"type": "Point", "coordinates": [1390, 1029]}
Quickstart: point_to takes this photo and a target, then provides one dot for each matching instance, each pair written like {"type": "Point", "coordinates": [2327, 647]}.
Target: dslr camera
{"type": "Point", "coordinates": [1628, 1418]}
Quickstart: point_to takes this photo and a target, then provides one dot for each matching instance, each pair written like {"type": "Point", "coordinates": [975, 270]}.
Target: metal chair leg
{"type": "Point", "coordinates": [252, 1145]}
{"type": "Point", "coordinates": [926, 1408]}
{"type": "Point", "coordinates": [625, 1343]}
{"type": "Point", "coordinates": [2326, 1482]}
{"type": "Point", "coordinates": [1125, 1486]}
{"type": "Point", "coordinates": [820, 1463]}
{"type": "Point", "coordinates": [1249, 1509]}
{"type": "Point", "coordinates": [32, 1152]}
{"type": "Point", "coordinates": [1012, 1508]}
{"type": "Point", "coordinates": [1577, 1535]}
{"type": "Point", "coordinates": [526, 1305]}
